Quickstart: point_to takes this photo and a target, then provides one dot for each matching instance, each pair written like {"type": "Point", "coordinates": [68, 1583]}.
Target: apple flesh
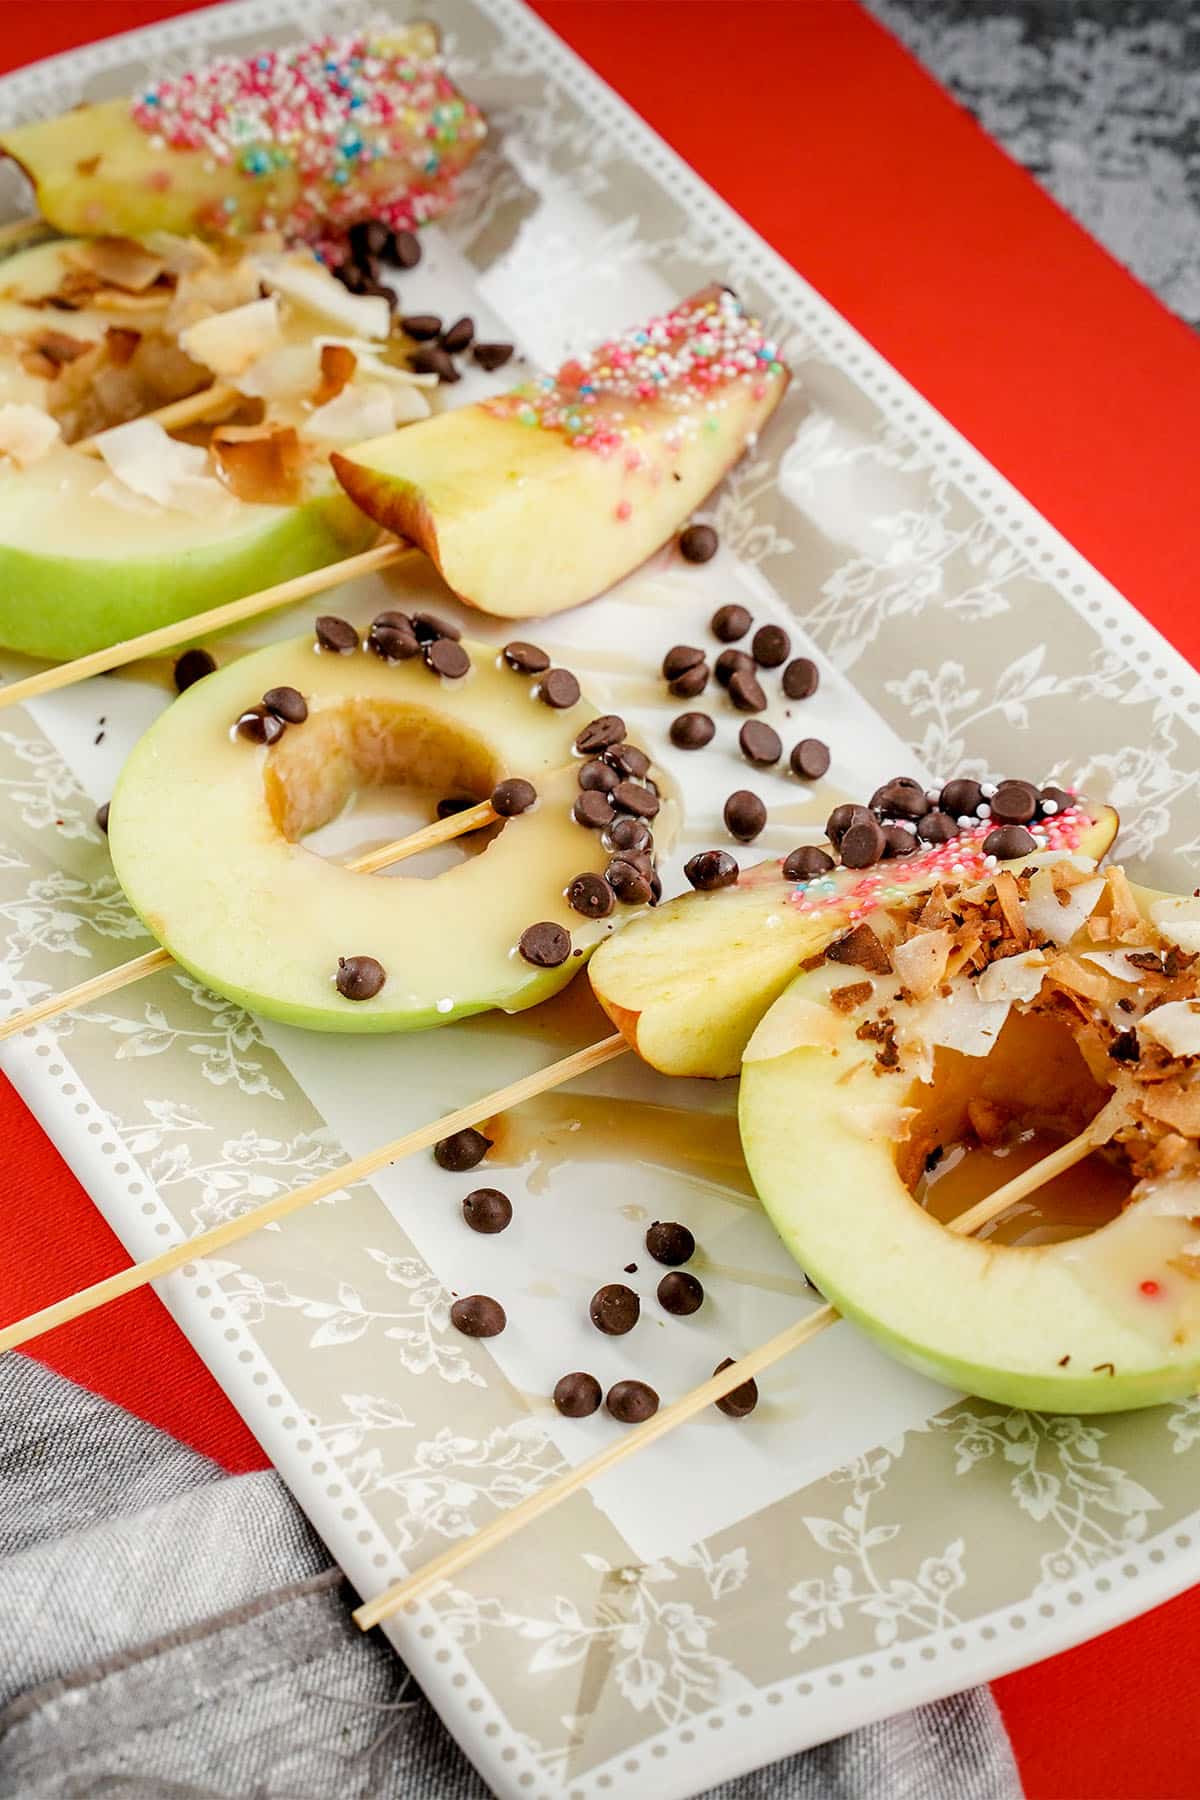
{"type": "Point", "coordinates": [206, 833]}
{"type": "Point", "coordinates": [521, 522]}
{"type": "Point", "coordinates": [688, 983]}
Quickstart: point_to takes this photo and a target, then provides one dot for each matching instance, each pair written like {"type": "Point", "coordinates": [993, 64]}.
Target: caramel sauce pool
{"type": "Point", "coordinates": [1073, 1205]}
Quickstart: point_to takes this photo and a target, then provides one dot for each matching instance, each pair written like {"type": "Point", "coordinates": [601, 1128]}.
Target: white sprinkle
{"type": "Point", "coordinates": [983, 810]}
{"type": "Point", "coordinates": [1049, 807]}
{"type": "Point", "coordinates": [987, 789]}
{"type": "Point", "coordinates": [445, 1006]}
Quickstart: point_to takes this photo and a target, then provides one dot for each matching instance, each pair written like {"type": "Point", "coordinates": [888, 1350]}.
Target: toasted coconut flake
{"type": "Point", "coordinates": [1175, 1025]}
{"type": "Point", "coordinates": [848, 999]}
{"type": "Point", "coordinates": [1178, 920]}
{"type": "Point", "coordinates": [1090, 984]}
{"type": "Point", "coordinates": [26, 433]}
{"type": "Point", "coordinates": [1009, 899]}
{"type": "Point", "coordinates": [1125, 920]}
{"type": "Point", "coordinates": [117, 262]}
{"type": "Point", "coordinates": [793, 1023]}
{"type": "Point", "coordinates": [49, 351]}
{"type": "Point", "coordinates": [229, 342]}
{"type": "Point", "coordinates": [338, 363]}
{"type": "Point", "coordinates": [362, 411]}
{"type": "Point", "coordinates": [957, 1020]}
{"type": "Point", "coordinates": [1174, 1103]}
{"type": "Point", "coordinates": [157, 468]}
{"type": "Point", "coordinates": [936, 914]}
{"type": "Point", "coordinates": [1115, 962]}
{"type": "Point", "coordinates": [862, 948]}
{"type": "Point", "coordinates": [1060, 912]}
{"type": "Point", "coordinates": [218, 286]}
{"type": "Point", "coordinates": [921, 962]}
{"type": "Point", "coordinates": [1013, 978]}
{"type": "Point", "coordinates": [263, 465]}
{"type": "Point", "coordinates": [304, 281]}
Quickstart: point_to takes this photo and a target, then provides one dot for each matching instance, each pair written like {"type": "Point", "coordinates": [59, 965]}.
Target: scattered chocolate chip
{"type": "Point", "coordinates": [936, 828]}
{"type": "Point", "coordinates": [631, 1268]}
{"type": "Point", "coordinates": [597, 777]}
{"type": "Point", "coordinates": [631, 885]}
{"type": "Point", "coordinates": [711, 869]}
{"type": "Point", "coordinates": [670, 1242]}
{"type": "Point", "coordinates": [102, 817]}
{"type": "Point", "coordinates": [729, 623]}
{"type": "Point", "coordinates": [600, 734]}
{"type": "Point", "coordinates": [807, 863]}
{"type": "Point", "coordinates": [335, 634]}
{"type": "Point", "coordinates": [680, 658]}
{"type": "Point", "coordinates": [898, 842]}
{"type": "Point", "coordinates": [740, 1400]}
{"type": "Point", "coordinates": [392, 637]}
{"type": "Point", "coordinates": [692, 731]}
{"type": "Point", "coordinates": [1056, 799]}
{"type": "Point", "coordinates": [760, 744]}
{"type": "Point", "coordinates": [1014, 803]}
{"type": "Point", "coordinates": [545, 945]}
{"type": "Point", "coordinates": [841, 819]}
{"type": "Point", "coordinates": [431, 359]}
{"type": "Point", "coordinates": [631, 1402]}
{"type": "Point", "coordinates": [863, 844]}
{"type": "Point", "coordinates": [447, 658]}
{"type": "Point", "coordinates": [558, 688]}
{"type": "Point", "coordinates": [431, 626]}
{"type": "Point", "coordinates": [192, 667]}
{"type": "Point", "coordinates": [901, 798]}
{"type": "Point", "coordinates": [422, 327]}
{"type": "Point", "coordinates": [359, 977]}
{"type": "Point", "coordinates": [593, 809]}
{"type": "Point", "coordinates": [801, 679]}
{"type": "Point", "coordinates": [631, 834]}
{"type": "Point", "coordinates": [525, 659]}
{"type": "Point", "coordinates": [578, 1396]}
{"type": "Point", "coordinates": [513, 796]}
{"type": "Point", "coordinates": [478, 1315]}
{"type": "Point", "coordinates": [744, 815]}
{"type": "Point", "coordinates": [770, 646]}
{"type": "Point", "coordinates": [698, 544]}
{"type": "Point", "coordinates": [628, 760]}
{"type": "Point", "coordinates": [287, 703]}
{"type": "Point", "coordinates": [458, 336]}
{"type": "Point", "coordinates": [590, 895]}
{"type": "Point", "coordinates": [369, 239]}
{"type": "Point", "coordinates": [692, 682]}
{"type": "Point", "coordinates": [405, 249]}
{"type": "Point", "coordinates": [1008, 841]}
{"type": "Point", "coordinates": [730, 663]}
{"type": "Point", "coordinates": [488, 1211]}
{"type": "Point", "coordinates": [745, 690]}
{"type": "Point", "coordinates": [614, 1309]}
{"type": "Point", "coordinates": [961, 798]}
{"type": "Point", "coordinates": [642, 802]}
{"type": "Point", "coordinates": [861, 948]}
{"type": "Point", "coordinates": [258, 726]}
{"type": "Point", "coordinates": [492, 356]}
{"type": "Point", "coordinates": [810, 759]}
{"type": "Point", "coordinates": [680, 1293]}
{"type": "Point", "coordinates": [462, 1150]}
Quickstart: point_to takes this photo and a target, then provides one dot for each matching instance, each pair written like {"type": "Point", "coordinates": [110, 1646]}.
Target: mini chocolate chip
{"type": "Point", "coordinates": [359, 977]}
{"type": "Point", "coordinates": [590, 895]}
{"type": "Point", "coordinates": [698, 544]}
{"type": "Point", "coordinates": [692, 731]}
{"type": "Point", "coordinates": [729, 663]}
{"type": "Point", "coordinates": [447, 658]}
{"type": "Point", "coordinates": [545, 945]}
{"type": "Point", "coordinates": [392, 637]}
{"type": "Point", "coordinates": [744, 815]}
{"type": "Point", "coordinates": [631, 885]}
{"type": "Point", "coordinates": [287, 703]}
{"type": "Point", "coordinates": [1009, 841]}
{"type": "Point", "coordinates": [628, 797]}
{"type": "Point", "coordinates": [578, 1395]}
{"type": "Point", "coordinates": [640, 859]}
{"type": "Point", "coordinates": [746, 692]}
{"type": "Point", "coordinates": [558, 688]}
{"type": "Point", "coordinates": [810, 759]}
{"type": "Point", "coordinates": [739, 1400]}
{"type": "Point", "coordinates": [807, 863]}
{"type": "Point", "coordinates": [692, 682]}
{"type": "Point", "coordinates": [936, 828]}
{"type": "Point", "coordinates": [614, 1309]}
{"type": "Point", "coordinates": [631, 1402]}
{"type": "Point", "coordinates": [628, 759]}
{"type": "Point", "coordinates": [192, 667]}
{"type": "Point", "coordinates": [1056, 797]}
{"type": "Point", "coordinates": [1014, 803]}
{"type": "Point", "coordinates": [369, 240]}
{"type": "Point", "coordinates": [431, 359]}
{"type": "Point", "coordinates": [525, 659]}
{"type": "Point", "coordinates": [431, 626]}
{"type": "Point", "coordinates": [102, 816]}
{"type": "Point", "coordinates": [488, 1211]}
{"type": "Point", "coordinates": [600, 734]}
{"type": "Point", "coordinates": [462, 1150]}
{"type": "Point", "coordinates": [593, 809]}
{"type": "Point", "coordinates": [680, 658]}
{"type": "Point", "coordinates": [729, 623]}
{"type": "Point", "coordinates": [258, 726]}
{"type": "Point", "coordinates": [670, 1242]}
{"type": "Point", "coordinates": [478, 1315]}
{"type": "Point", "coordinates": [513, 796]}
{"type": "Point", "coordinates": [899, 842]}
{"type": "Point", "coordinates": [863, 844]}
{"type": "Point", "coordinates": [405, 249]}
{"type": "Point", "coordinates": [711, 869]}
{"type": "Point", "coordinates": [597, 777]}
{"type": "Point", "coordinates": [335, 634]}
{"type": "Point", "coordinates": [423, 327]}
{"type": "Point", "coordinates": [458, 336]}
{"type": "Point", "coordinates": [770, 646]}
{"type": "Point", "coordinates": [680, 1293]}
{"type": "Point", "coordinates": [842, 818]}
{"type": "Point", "coordinates": [492, 356]}
{"type": "Point", "coordinates": [760, 743]}
{"type": "Point", "coordinates": [960, 798]}
{"type": "Point", "coordinates": [901, 798]}
{"type": "Point", "coordinates": [630, 834]}
{"type": "Point", "coordinates": [801, 679]}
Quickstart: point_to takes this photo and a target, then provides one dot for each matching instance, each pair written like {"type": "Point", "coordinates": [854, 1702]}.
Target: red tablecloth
{"type": "Point", "coordinates": [1070, 376]}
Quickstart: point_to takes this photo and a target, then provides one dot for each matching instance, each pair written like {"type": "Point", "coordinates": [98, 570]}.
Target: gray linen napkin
{"type": "Point", "coordinates": [169, 1630]}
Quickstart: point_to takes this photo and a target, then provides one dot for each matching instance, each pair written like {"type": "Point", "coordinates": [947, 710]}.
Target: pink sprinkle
{"type": "Point", "coordinates": [1151, 1289]}
{"type": "Point", "coordinates": [624, 510]}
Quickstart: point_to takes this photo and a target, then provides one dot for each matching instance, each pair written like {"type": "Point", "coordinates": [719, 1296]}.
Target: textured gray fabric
{"type": "Point", "coordinates": [171, 1631]}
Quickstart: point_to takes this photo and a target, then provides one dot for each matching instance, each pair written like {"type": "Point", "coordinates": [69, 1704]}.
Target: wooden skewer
{"type": "Point", "coordinates": [441, 831]}
{"type": "Point", "coordinates": [220, 1237]}
{"type": "Point", "coordinates": [193, 407]}
{"type": "Point", "coordinates": [218, 618]}
{"type": "Point", "coordinates": [461, 1555]}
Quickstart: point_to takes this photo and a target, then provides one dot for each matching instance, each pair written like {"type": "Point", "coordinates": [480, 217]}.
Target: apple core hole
{"type": "Point", "coordinates": [983, 1120]}
{"type": "Point", "coordinates": [363, 773]}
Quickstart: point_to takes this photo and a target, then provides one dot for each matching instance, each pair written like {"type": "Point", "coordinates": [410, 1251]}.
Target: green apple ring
{"type": "Point", "coordinates": [835, 1144]}
{"type": "Point", "coordinates": [205, 832]}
